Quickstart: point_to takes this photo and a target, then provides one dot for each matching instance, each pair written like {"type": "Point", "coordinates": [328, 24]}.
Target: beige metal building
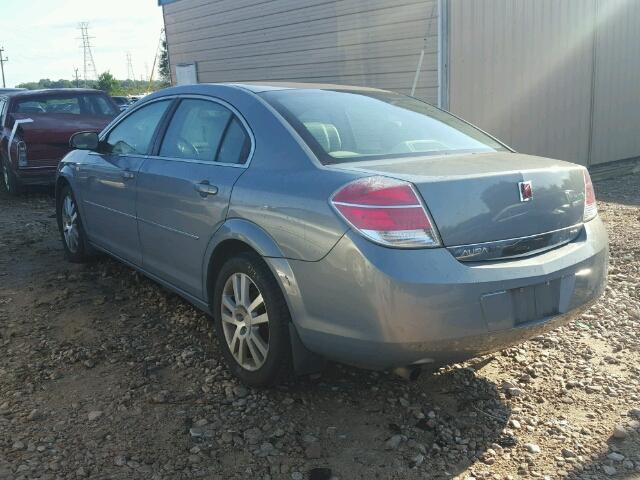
{"type": "Point", "coordinates": [559, 78]}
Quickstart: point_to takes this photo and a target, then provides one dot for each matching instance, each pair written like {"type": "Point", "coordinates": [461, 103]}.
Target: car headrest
{"type": "Point", "coordinates": [326, 134]}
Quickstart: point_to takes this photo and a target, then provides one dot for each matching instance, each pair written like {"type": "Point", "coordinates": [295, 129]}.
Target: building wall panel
{"type": "Point", "coordinates": [521, 70]}
{"type": "Point", "coordinates": [359, 42]}
{"type": "Point", "coordinates": [616, 113]}
{"type": "Point", "coordinates": [552, 78]}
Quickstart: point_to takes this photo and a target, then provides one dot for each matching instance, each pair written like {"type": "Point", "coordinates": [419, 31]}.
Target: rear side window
{"type": "Point", "coordinates": [70, 105]}
{"type": "Point", "coordinates": [206, 131]}
{"type": "Point", "coordinates": [99, 105]}
{"type": "Point", "coordinates": [236, 144]}
{"type": "Point", "coordinates": [76, 104]}
{"type": "Point", "coordinates": [134, 133]}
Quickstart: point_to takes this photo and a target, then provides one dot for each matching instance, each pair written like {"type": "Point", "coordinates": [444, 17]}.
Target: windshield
{"type": "Point", "coordinates": [75, 104]}
{"type": "Point", "coordinates": [346, 126]}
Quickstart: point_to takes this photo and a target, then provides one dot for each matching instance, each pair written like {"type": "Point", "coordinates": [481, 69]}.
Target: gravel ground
{"type": "Point", "coordinates": [103, 374]}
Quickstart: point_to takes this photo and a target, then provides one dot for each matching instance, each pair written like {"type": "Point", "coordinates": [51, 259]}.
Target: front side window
{"type": "Point", "coordinates": [347, 126]}
{"type": "Point", "coordinates": [206, 131]}
{"type": "Point", "coordinates": [133, 135]}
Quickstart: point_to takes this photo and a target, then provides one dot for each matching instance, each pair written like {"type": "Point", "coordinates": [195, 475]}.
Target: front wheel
{"type": "Point", "coordinates": [251, 319]}
{"type": "Point", "coordinates": [71, 229]}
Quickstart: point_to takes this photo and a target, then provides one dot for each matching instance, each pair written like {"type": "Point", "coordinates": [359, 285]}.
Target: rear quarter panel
{"type": "Point", "coordinates": [283, 191]}
{"type": "Point", "coordinates": [47, 138]}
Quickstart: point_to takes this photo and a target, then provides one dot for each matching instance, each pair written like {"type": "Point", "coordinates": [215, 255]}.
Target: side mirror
{"type": "Point", "coordinates": [84, 141]}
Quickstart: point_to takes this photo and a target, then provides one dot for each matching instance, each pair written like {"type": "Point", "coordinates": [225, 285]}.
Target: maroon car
{"type": "Point", "coordinates": [35, 127]}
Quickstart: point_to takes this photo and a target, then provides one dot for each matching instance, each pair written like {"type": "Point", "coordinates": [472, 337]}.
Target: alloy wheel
{"type": "Point", "coordinates": [70, 223]}
{"type": "Point", "coordinates": [245, 321]}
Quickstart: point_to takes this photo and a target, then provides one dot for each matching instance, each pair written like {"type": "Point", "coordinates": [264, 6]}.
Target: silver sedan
{"type": "Point", "coordinates": [318, 222]}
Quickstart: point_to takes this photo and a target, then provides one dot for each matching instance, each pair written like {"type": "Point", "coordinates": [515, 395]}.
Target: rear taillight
{"type": "Point", "coordinates": [590, 207]}
{"type": "Point", "coordinates": [22, 154]}
{"type": "Point", "coordinates": [386, 211]}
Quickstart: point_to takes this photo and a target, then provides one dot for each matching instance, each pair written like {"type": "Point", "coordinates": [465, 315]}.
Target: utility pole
{"type": "Point", "coordinates": [77, 79]}
{"type": "Point", "coordinates": [2, 60]}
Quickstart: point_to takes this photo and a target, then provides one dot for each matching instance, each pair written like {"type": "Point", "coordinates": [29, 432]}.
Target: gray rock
{"type": "Point", "coordinates": [94, 415]}
{"type": "Point", "coordinates": [240, 391]}
{"type": "Point", "coordinates": [417, 460]}
{"type": "Point", "coordinates": [619, 432]}
{"type": "Point", "coordinates": [394, 442]}
{"type": "Point", "coordinates": [267, 449]}
{"type": "Point", "coordinates": [252, 435]}
{"type": "Point", "coordinates": [201, 432]}
{"type": "Point", "coordinates": [160, 397]}
{"type": "Point", "coordinates": [313, 450]}
{"type": "Point", "coordinates": [609, 470]}
{"type": "Point", "coordinates": [532, 448]}
{"type": "Point", "coordinates": [615, 456]}
{"type": "Point", "coordinates": [515, 392]}
{"type": "Point", "coordinates": [35, 414]}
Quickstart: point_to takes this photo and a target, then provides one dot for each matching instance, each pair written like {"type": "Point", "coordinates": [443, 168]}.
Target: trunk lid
{"type": "Point", "coordinates": [47, 137]}
{"type": "Point", "coordinates": [475, 198]}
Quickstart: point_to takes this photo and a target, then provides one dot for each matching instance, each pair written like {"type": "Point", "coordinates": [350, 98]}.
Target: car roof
{"type": "Point", "coordinates": [251, 87]}
{"type": "Point", "coordinates": [258, 87]}
{"type": "Point", "coordinates": [11, 90]}
{"type": "Point", "coordinates": [53, 91]}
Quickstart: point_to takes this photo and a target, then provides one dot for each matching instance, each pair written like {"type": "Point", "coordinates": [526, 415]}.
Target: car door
{"type": "Point", "coordinates": [184, 190]}
{"type": "Point", "coordinates": [108, 181]}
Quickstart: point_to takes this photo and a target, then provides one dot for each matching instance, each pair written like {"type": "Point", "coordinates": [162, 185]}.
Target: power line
{"type": "Point", "coordinates": [89, 71]}
{"type": "Point", "coordinates": [3, 59]}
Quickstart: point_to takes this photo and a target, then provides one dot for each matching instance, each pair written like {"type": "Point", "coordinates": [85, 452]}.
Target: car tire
{"type": "Point", "coordinates": [9, 180]}
{"type": "Point", "coordinates": [254, 324]}
{"type": "Point", "coordinates": [72, 234]}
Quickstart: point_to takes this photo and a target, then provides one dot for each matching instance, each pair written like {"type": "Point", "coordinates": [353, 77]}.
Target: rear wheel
{"type": "Point", "coordinates": [11, 183]}
{"type": "Point", "coordinates": [252, 321]}
{"type": "Point", "coordinates": [70, 225]}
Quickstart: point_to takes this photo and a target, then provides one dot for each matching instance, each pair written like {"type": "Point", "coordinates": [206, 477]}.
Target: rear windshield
{"type": "Point", "coordinates": [346, 126]}
{"type": "Point", "coordinates": [74, 104]}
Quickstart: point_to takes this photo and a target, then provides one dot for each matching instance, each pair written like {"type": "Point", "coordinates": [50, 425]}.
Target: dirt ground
{"type": "Point", "coordinates": [104, 374]}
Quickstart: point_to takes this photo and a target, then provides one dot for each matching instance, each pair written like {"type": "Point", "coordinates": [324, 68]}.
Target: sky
{"type": "Point", "coordinates": [42, 40]}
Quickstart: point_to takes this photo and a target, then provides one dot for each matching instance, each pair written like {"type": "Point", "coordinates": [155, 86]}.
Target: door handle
{"type": "Point", "coordinates": [204, 188]}
{"type": "Point", "coordinates": [127, 175]}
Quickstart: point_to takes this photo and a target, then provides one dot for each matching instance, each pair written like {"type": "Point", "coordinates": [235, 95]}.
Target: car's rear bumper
{"type": "Point", "coordinates": [37, 175]}
{"type": "Point", "coordinates": [378, 307]}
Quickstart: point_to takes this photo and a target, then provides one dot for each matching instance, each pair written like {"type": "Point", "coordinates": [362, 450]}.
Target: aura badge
{"type": "Point", "coordinates": [526, 191]}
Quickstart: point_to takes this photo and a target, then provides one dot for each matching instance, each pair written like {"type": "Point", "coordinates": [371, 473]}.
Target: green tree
{"type": "Point", "coordinates": [107, 83]}
{"type": "Point", "coordinates": [163, 67]}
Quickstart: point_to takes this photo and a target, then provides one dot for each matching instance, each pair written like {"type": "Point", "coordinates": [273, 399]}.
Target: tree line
{"type": "Point", "coordinates": [105, 82]}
